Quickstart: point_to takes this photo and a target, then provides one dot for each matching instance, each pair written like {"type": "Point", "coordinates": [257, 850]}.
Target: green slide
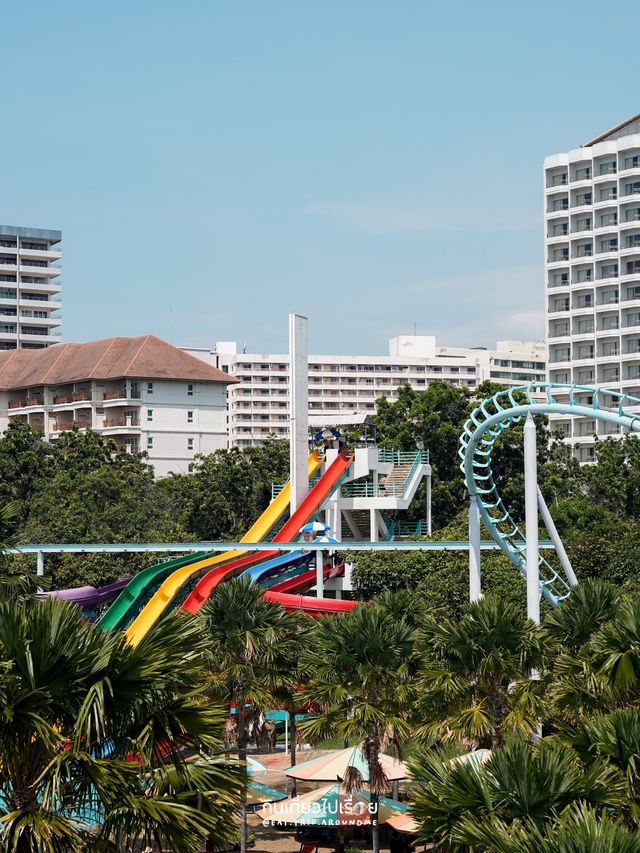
{"type": "Point", "coordinates": [140, 588]}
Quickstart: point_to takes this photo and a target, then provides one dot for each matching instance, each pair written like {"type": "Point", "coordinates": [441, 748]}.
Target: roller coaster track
{"type": "Point", "coordinates": [494, 415]}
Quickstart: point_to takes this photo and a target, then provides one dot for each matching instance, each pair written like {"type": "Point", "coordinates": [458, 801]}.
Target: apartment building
{"type": "Point", "coordinates": [592, 251]}
{"type": "Point", "coordinates": [30, 287]}
{"type": "Point", "coordinates": [347, 384]}
{"type": "Point", "coordinates": [142, 392]}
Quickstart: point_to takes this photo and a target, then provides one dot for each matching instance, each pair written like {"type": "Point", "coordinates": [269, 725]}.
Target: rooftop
{"type": "Point", "coordinates": [625, 128]}
{"type": "Point", "coordinates": [38, 233]}
{"type": "Point", "coordinates": [145, 357]}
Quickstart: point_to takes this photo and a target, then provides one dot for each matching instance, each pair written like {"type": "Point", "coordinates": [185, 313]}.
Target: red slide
{"type": "Point", "coordinates": [283, 594]}
{"type": "Point", "coordinates": [325, 487]}
{"type": "Point", "coordinates": [311, 606]}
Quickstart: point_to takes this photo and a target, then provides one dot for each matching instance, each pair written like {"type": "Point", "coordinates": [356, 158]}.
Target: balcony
{"type": "Point", "coordinates": [63, 426]}
{"type": "Point", "coordinates": [29, 401]}
{"type": "Point", "coordinates": [35, 269]}
{"type": "Point", "coordinates": [118, 394]}
{"type": "Point", "coordinates": [112, 423]}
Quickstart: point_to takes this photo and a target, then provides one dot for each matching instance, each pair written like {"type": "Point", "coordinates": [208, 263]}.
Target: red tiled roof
{"type": "Point", "coordinates": [145, 357]}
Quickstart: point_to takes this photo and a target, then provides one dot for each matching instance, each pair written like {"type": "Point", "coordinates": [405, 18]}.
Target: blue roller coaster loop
{"type": "Point", "coordinates": [497, 413]}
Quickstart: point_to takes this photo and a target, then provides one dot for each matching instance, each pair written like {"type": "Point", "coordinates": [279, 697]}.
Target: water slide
{"type": "Point", "coordinates": [489, 420]}
{"type": "Point", "coordinates": [89, 597]}
{"type": "Point", "coordinates": [160, 583]}
{"type": "Point", "coordinates": [314, 499]}
{"type": "Point", "coordinates": [291, 560]}
{"type": "Point", "coordinates": [284, 592]}
{"type": "Point", "coordinates": [231, 563]}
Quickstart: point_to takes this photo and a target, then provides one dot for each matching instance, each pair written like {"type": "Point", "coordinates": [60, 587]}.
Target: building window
{"type": "Point", "coordinates": [149, 415]}
{"type": "Point", "coordinates": [189, 444]}
{"type": "Point", "coordinates": [632, 162]}
{"type": "Point", "coordinates": [609, 219]}
{"type": "Point", "coordinates": [608, 168]}
{"type": "Point", "coordinates": [149, 387]}
{"type": "Point", "coordinates": [190, 468]}
{"type": "Point", "coordinates": [190, 417]}
{"type": "Point", "coordinates": [583, 174]}
{"type": "Point", "coordinates": [189, 390]}
{"type": "Point", "coordinates": [149, 442]}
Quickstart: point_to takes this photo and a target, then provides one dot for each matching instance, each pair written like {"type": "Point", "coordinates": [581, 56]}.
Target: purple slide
{"type": "Point", "coordinates": [89, 597]}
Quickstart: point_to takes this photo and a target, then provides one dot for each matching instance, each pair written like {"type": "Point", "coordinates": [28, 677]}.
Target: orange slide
{"type": "Point", "coordinates": [323, 489]}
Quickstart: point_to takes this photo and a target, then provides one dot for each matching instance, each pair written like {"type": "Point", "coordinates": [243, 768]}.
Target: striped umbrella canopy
{"type": "Point", "coordinates": [255, 767]}
{"type": "Point", "coordinates": [258, 793]}
{"type": "Point", "coordinates": [333, 766]}
{"type": "Point", "coordinates": [329, 806]}
{"type": "Point", "coordinates": [404, 823]}
{"type": "Point", "coordinates": [478, 756]}
{"type": "Point", "coordinates": [315, 527]}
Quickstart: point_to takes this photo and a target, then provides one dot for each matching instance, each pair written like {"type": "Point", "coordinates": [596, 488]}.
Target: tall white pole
{"type": "Point", "coordinates": [558, 544]}
{"type": "Point", "coordinates": [299, 411]}
{"type": "Point", "coordinates": [428, 490]}
{"type": "Point", "coordinates": [531, 519]}
{"type": "Point", "coordinates": [475, 581]}
{"type": "Point", "coordinates": [319, 573]}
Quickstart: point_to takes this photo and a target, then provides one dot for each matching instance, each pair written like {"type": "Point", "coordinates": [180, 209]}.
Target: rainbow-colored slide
{"type": "Point", "coordinates": [152, 589]}
{"type": "Point", "coordinates": [234, 563]}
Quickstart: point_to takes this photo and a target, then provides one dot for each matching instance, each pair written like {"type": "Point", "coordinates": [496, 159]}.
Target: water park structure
{"type": "Point", "coordinates": [349, 492]}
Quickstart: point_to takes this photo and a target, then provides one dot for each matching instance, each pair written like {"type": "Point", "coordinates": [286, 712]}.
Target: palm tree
{"type": "Point", "coordinates": [614, 737]}
{"type": "Point", "coordinates": [12, 584]}
{"type": "Point", "coordinates": [590, 606]}
{"type": "Point", "coordinates": [93, 734]}
{"type": "Point", "coordinates": [288, 673]}
{"type": "Point", "coordinates": [360, 668]}
{"type": "Point", "coordinates": [604, 674]}
{"type": "Point", "coordinates": [579, 828]}
{"type": "Point", "coordinates": [454, 801]}
{"type": "Point", "coordinates": [475, 682]}
{"type": "Point", "coordinates": [247, 636]}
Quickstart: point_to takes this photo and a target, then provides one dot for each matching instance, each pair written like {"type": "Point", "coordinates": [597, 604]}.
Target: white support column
{"type": "Point", "coordinates": [373, 525]}
{"type": "Point", "coordinates": [428, 478]}
{"type": "Point", "coordinates": [558, 544]}
{"type": "Point", "coordinates": [475, 580]}
{"type": "Point", "coordinates": [299, 402]}
{"type": "Point", "coordinates": [40, 564]}
{"type": "Point", "coordinates": [531, 519]}
{"type": "Point", "coordinates": [319, 573]}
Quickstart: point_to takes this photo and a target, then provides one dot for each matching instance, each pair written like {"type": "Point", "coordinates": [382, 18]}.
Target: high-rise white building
{"type": "Point", "coordinates": [29, 287]}
{"type": "Point", "coordinates": [340, 385]}
{"type": "Point", "coordinates": [142, 392]}
{"type": "Point", "coordinates": [592, 252]}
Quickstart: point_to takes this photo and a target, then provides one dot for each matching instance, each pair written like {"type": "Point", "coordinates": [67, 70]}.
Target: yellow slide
{"type": "Point", "coordinates": [258, 531]}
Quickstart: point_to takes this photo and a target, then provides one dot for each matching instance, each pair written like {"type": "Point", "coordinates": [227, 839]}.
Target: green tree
{"type": "Point", "coordinates": [25, 460]}
{"type": "Point", "coordinates": [578, 829]}
{"type": "Point", "coordinates": [475, 682]}
{"type": "Point", "coordinates": [457, 803]}
{"type": "Point", "coordinates": [247, 635]}
{"type": "Point", "coordinates": [228, 489]}
{"type": "Point", "coordinates": [76, 704]}
{"type": "Point", "coordinates": [361, 665]}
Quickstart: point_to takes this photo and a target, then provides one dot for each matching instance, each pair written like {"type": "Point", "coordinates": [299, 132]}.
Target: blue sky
{"type": "Point", "coordinates": [215, 165]}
